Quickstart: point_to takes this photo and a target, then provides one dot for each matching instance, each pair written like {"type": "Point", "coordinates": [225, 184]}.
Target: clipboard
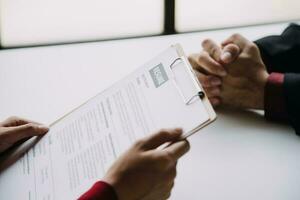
{"type": "Point", "coordinates": [188, 96]}
{"type": "Point", "coordinates": [163, 93]}
{"type": "Point", "coordinates": [200, 95]}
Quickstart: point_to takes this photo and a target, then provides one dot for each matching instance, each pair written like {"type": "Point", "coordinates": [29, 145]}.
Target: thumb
{"type": "Point", "coordinates": [18, 133]}
{"type": "Point", "coordinates": [162, 137]}
{"type": "Point", "coordinates": [230, 52]}
{"type": "Point", "coordinates": [177, 149]}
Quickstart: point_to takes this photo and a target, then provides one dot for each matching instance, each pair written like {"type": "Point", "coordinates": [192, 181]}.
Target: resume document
{"type": "Point", "coordinates": [81, 146]}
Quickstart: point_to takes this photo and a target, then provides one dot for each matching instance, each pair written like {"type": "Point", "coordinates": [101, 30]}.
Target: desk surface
{"type": "Point", "coordinates": [241, 156]}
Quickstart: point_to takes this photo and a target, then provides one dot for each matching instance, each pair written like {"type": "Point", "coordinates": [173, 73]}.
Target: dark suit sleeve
{"type": "Point", "coordinates": [291, 87]}
{"type": "Point", "coordinates": [282, 54]}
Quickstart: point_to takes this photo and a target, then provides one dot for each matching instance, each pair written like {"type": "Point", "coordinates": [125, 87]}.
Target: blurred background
{"type": "Point", "coordinates": [42, 22]}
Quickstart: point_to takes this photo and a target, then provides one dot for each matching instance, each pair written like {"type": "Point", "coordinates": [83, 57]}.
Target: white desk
{"type": "Point", "coordinates": [241, 156]}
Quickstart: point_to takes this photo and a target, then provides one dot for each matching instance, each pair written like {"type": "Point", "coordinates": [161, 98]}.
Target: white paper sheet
{"type": "Point", "coordinates": [80, 147]}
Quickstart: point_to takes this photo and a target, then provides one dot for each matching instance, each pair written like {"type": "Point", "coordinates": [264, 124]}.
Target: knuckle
{"type": "Point", "coordinates": [235, 48]}
{"type": "Point", "coordinates": [164, 132]}
{"type": "Point", "coordinates": [191, 58]}
{"type": "Point", "coordinates": [203, 56]}
{"type": "Point", "coordinates": [30, 127]}
{"type": "Point", "coordinates": [12, 118]}
{"type": "Point", "coordinates": [252, 47]}
{"type": "Point", "coordinates": [232, 48]}
{"type": "Point", "coordinates": [236, 36]}
{"type": "Point", "coordinates": [213, 51]}
{"type": "Point", "coordinates": [139, 143]}
{"type": "Point", "coordinates": [206, 42]}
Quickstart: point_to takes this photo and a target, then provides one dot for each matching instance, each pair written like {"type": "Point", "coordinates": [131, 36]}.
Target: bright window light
{"type": "Point", "coordinates": [31, 22]}
{"type": "Point", "coordinates": [207, 14]}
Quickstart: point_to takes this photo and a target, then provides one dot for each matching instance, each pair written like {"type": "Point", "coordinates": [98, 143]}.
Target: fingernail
{"type": "Point", "coordinates": [178, 130]}
{"type": "Point", "coordinates": [43, 128]}
{"type": "Point", "coordinates": [226, 57]}
{"type": "Point", "coordinates": [216, 81]}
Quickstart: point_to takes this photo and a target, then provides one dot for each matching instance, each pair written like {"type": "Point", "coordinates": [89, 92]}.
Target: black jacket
{"type": "Point", "coordinates": [282, 54]}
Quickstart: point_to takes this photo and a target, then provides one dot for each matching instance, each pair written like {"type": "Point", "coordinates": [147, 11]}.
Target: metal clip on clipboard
{"type": "Point", "coordinates": [190, 98]}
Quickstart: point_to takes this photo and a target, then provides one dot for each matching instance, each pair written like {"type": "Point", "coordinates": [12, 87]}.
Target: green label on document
{"type": "Point", "coordinates": [159, 75]}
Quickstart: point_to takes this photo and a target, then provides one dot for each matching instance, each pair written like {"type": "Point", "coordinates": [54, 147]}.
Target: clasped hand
{"type": "Point", "coordinates": [232, 73]}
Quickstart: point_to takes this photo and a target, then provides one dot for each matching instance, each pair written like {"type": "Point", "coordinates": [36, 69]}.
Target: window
{"type": "Point", "coordinates": [30, 22]}
{"type": "Point", "coordinates": [207, 14]}
{"type": "Point", "coordinates": [36, 22]}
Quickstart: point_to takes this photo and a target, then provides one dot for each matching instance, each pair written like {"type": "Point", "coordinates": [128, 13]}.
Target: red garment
{"type": "Point", "coordinates": [100, 191]}
{"type": "Point", "coordinates": [275, 105]}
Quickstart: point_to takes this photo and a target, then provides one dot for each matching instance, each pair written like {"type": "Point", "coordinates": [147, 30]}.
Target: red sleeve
{"type": "Point", "coordinates": [100, 191]}
{"type": "Point", "coordinates": [275, 105]}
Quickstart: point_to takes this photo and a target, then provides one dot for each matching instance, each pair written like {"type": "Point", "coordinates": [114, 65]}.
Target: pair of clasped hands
{"type": "Point", "coordinates": [232, 74]}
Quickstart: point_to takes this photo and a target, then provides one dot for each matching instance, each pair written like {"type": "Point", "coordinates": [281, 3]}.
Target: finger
{"type": "Point", "coordinates": [208, 80]}
{"type": "Point", "coordinates": [162, 137]}
{"type": "Point", "coordinates": [213, 92]}
{"type": "Point", "coordinates": [193, 60]}
{"type": "Point", "coordinates": [212, 48]}
{"type": "Point", "coordinates": [24, 131]}
{"type": "Point", "coordinates": [177, 149]}
{"type": "Point", "coordinates": [170, 175]}
{"type": "Point", "coordinates": [207, 64]}
{"type": "Point", "coordinates": [230, 53]}
{"type": "Point", "coordinates": [215, 101]}
{"type": "Point", "coordinates": [16, 121]}
{"type": "Point", "coordinates": [236, 39]}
